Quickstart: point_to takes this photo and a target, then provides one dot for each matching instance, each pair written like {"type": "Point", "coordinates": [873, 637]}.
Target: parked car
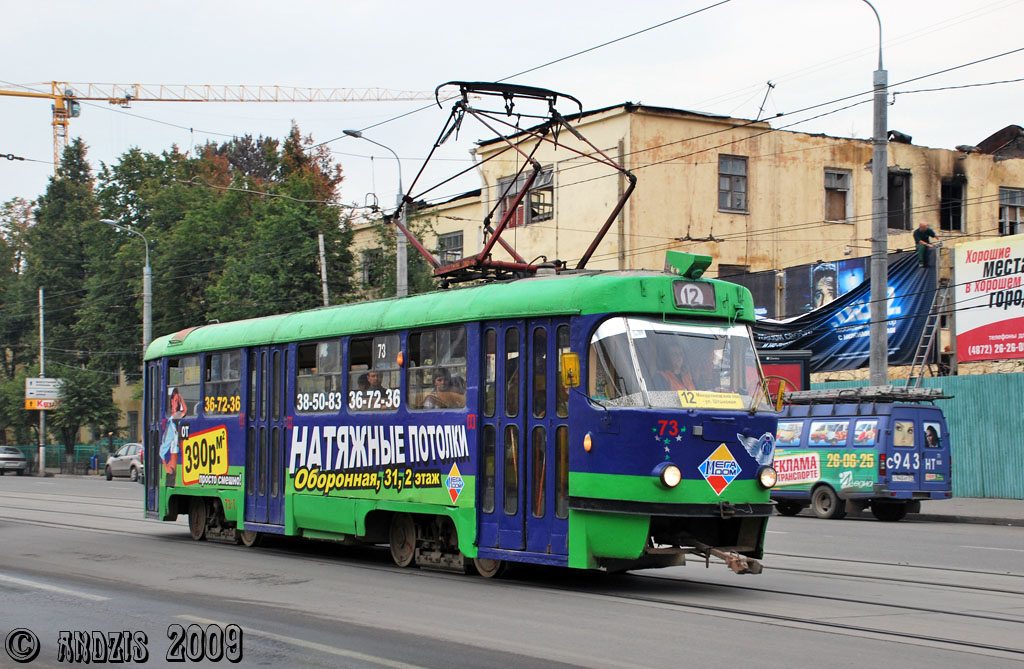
{"type": "Point", "coordinates": [12, 460]}
{"type": "Point", "coordinates": [127, 461]}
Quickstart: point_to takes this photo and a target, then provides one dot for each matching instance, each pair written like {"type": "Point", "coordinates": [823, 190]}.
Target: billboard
{"type": "Point", "coordinates": [989, 299]}
{"type": "Point", "coordinates": [837, 333]}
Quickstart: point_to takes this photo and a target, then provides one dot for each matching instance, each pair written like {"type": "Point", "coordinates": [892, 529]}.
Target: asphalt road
{"type": "Point", "coordinates": [76, 554]}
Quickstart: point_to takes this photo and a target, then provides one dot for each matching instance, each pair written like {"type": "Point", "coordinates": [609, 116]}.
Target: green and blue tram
{"type": "Point", "coordinates": [595, 420]}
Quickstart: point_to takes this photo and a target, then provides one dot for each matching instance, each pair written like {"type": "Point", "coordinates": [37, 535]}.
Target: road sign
{"type": "Point", "coordinates": [43, 388]}
{"type": "Point", "coordinates": [37, 405]}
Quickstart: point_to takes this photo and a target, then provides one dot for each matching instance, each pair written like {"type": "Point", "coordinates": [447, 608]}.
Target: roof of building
{"type": "Point", "coordinates": [1001, 139]}
{"type": "Point", "coordinates": [538, 297]}
{"type": "Point", "coordinates": [629, 108]}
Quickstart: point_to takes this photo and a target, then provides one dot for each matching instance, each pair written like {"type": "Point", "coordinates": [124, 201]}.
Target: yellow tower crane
{"type": "Point", "coordinates": [66, 96]}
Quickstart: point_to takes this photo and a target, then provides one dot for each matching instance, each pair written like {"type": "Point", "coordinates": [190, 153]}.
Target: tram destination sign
{"type": "Point", "coordinates": [694, 295]}
{"type": "Point", "coordinates": [42, 393]}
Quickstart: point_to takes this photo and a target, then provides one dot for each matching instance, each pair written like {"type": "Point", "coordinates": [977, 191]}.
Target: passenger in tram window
{"type": "Point", "coordinates": [445, 395]}
{"type": "Point", "coordinates": [363, 382]}
{"type": "Point", "coordinates": [373, 380]}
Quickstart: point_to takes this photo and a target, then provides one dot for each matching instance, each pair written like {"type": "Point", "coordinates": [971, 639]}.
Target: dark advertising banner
{"type": "Point", "coordinates": [837, 334]}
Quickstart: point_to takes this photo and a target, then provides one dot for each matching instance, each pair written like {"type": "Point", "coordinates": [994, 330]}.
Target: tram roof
{"type": "Point", "coordinates": [626, 292]}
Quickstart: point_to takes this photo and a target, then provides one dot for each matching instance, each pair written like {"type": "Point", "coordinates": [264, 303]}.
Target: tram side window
{"type": "Point", "coordinates": [561, 392]}
{"type": "Point", "coordinates": [373, 373]}
{"type": "Point", "coordinates": [318, 376]}
{"type": "Point", "coordinates": [223, 391]}
{"type": "Point", "coordinates": [437, 369]}
{"type": "Point", "coordinates": [490, 356]}
{"type": "Point", "coordinates": [183, 385]}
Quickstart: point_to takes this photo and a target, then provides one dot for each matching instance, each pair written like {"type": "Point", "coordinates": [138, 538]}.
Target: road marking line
{"type": "Point", "coordinates": [52, 588]}
{"type": "Point", "coordinates": [775, 532]}
{"type": "Point", "coordinates": [310, 645]}
{"type": "Point", "coordinates": [992, 548]}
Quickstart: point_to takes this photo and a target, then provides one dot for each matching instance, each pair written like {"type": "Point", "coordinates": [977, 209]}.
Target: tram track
{"type": "Point", "coordinates": [894, 564]}
{"type": "Point", "coordinates": [589, 586]}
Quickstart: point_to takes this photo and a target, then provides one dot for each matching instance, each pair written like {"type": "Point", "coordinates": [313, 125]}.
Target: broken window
{"type": "Point", "coordinates": [838, 198]}
{"type": "Point", "coordinates": [539, 203]}
{"type": "Point", "coordinates": [1011, 211]}
{"type": "Point", "coordinates": [373, 268]}
{"type": "Point", "coordinates": [951, 205]}
{"type": "Point", "coordinates": [899, 201]}
{"type": "Point", "coordinates": [449, 247]}
{"type": "Point", "coordinates": [732, 183]}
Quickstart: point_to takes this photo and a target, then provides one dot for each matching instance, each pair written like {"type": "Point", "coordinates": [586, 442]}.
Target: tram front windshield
{"type": "Point", "coordinates": [640, 362]}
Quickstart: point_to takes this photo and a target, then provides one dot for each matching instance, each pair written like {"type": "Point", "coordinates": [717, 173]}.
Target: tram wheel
{"type": "Point", "coordinates": [826, 503]}
{"type": "Point", "coordinates": [787, 507]}
{"type": "Point", "coordinates": [250, 538]}
{"type": "Point", "coordinates": [197, 519]}
{"type": "Point", "coordinates": [489, 568]}
{"type": "Point", "coordinates": [889, 513]}
{"type": "Point", "coordinates": [402, 539]}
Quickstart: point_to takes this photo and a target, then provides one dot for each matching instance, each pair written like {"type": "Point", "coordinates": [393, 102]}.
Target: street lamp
{"type": "Point", "coordinates": [401, 273]}
{"type": "Point", "coordinates": [878, 357]}
{"type": "Point", "coordinates": [147, 287]}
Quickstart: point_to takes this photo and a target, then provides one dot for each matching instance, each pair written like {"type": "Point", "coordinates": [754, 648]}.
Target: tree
{"type": "Point", "coordinates": [420, 274]}
{"type": "Point", "coordinates": [66, 246]}
{"type": "Point", "coordinates": [13, 415]}
{"type": "Point", "coordinates": [17, 298]}
{"type": "Point", "coordinates": [85, 400]}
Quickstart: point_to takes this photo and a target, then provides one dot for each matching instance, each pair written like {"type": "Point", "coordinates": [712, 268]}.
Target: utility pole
{"type": "Point", "coordinates": [42, 374]}
{"type": "Point", "coordinates": [879, 341]}
{"type": "Point", "coordinates": [323, 270]}
{"type": "Point", "coordinates": [402, 271]}
{"type": "Point", "coordinates": [402, 268]}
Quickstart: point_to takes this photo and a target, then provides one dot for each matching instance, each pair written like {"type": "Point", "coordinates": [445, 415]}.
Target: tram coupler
{"type": "Point", "coordinates": [741, 564]}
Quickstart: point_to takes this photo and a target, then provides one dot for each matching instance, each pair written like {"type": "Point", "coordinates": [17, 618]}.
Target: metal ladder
{"type": "Point", "coordinates": [931, 328]}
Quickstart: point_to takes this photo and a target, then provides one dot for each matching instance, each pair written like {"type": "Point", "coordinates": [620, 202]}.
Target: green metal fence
{"type": "Point", "coordinates": [986, 431]}
{"type": "Point", "coordinates": [55, 454]}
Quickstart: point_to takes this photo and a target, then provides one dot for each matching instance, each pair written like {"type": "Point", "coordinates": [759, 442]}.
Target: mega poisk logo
{"type": "Point", "coordinates": [719, 469]}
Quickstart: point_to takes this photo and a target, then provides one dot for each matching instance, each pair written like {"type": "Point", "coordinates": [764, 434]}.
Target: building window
{"type": "Point", "coordinates": [732, 272]}
{"type": "Point", "coordinates": [732, 183]}
{"type": "Point", "coordinates": [838, 198]}
{"type": "Point", "coordinates": [1011, 211]}
{"type": "Point", "coordinates": [899, 201]}
{"type": "Point", "coordinates": [449, 247]}
{"type": "Point", "coordinates": [951, 205]}
{"type": "Point", "coordinates": [373, 268]}
{"type": "Point", "coordinates": [539, 203]}
{"type": "Point", "coordinates": [133, 426]}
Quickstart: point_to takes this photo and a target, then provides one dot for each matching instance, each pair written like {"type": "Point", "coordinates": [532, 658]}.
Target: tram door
{"type": "Point", "coordinates": [520, 432]}
{"type": "Point", "coordinates": [264, 435]}
{"type": "Point", "coordinates": [151, 427]}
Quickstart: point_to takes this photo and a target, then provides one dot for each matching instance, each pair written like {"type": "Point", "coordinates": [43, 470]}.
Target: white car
{"type": "Point", "coordinates": [127, 461]}
{"type": "Point", "coordinates": [12, 460]}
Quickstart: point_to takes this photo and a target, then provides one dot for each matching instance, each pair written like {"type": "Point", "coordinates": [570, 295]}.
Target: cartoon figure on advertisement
{"type": "Point", "coordinates": [169, 446]}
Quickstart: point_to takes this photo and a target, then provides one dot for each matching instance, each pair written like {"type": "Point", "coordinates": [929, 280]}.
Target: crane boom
{"type": "Point", "coordinates": [66, 97]}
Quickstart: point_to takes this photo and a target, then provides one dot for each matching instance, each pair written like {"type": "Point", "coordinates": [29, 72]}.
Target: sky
{"type": "Point", "coordinates": [716, 61]}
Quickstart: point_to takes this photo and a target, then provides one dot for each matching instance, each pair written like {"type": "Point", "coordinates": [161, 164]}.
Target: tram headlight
{"type": "Point", "coordinates": [669, 474]}
{"type": "Point", "coordinates": [767, 476]}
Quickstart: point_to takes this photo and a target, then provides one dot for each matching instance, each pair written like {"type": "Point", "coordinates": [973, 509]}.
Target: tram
{"type": "Point", "coordinates": [548, 415]}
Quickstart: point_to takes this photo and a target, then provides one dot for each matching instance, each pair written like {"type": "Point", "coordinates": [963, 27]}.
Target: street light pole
{"type": "Point", "coordinates": [147, 287]}
{"type": "Point", "coordinates": [402, 270]}
{"type": "Point", "coordinates": [879, 341]}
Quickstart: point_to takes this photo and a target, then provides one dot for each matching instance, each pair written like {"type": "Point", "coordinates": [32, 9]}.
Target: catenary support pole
{"type": "Point", "coordinates": [879, 338]}
{"type": "Point", "coordinates": [42, 373]}
{"type": "Point", "coordinates": [323, 271]}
